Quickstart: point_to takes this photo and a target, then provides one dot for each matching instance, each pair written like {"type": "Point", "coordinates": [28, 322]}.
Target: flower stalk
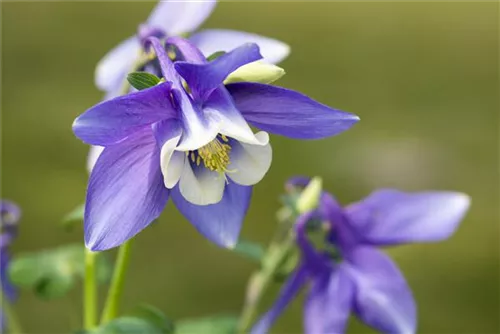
{"type": "Point", "coordinates": [90, 291]}
{"type": "Point", "coordinates": [261, 280]}
{"type": "Point", "coordinates": [115, 292]}
{"type": "Point", "coordinates": [276, 255]}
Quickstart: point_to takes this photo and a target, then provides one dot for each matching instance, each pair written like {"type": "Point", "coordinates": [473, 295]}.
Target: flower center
{"type": "Point", "coordinates": [215, 155]}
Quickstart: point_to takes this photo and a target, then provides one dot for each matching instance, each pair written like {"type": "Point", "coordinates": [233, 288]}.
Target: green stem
{"type": "Point", "coordinates": [260, 281]}
{"type": "Point", "coordinates": [90, 291]}
{"type": "Point", "coordinates": [277, 253]}
{"type": "Point", "coordinates": [118, 281]}
{"type": "Point", "coordinates": [11, 319]}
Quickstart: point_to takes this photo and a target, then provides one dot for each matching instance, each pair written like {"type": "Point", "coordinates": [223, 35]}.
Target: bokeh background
{"type": "Point", "coordinates": [423, 77]}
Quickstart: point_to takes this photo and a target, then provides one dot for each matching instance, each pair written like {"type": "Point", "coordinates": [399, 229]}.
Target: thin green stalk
{"type": "Point", "coordinates": [260, 281]}
{"type": "Point", "coordinates": [11, 319]}
{"type": "Point", "coordinates": [115, 292]}
{"type": "Point", "coordinates": [279, 249]}
{"type": "Point", "coordinates": [90, 291]}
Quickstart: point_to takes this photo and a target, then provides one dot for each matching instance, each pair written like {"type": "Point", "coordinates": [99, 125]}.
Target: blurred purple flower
{"type": "Point", "coordinates": [9, 215]}
{"type": "Point", "coordinates": [192, 143]}
{"type": "Point", "coordinates": [176, 18]}
{"type": "Point", "coordinates": [365, 281]}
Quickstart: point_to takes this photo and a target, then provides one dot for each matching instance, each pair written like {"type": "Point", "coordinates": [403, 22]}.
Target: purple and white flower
{"type": "Point", "coordinates": [189, 138]}
{"type": "Point", "coordinates": [364, 280]}
{"type": "Point", "coordinates": [9, 215]}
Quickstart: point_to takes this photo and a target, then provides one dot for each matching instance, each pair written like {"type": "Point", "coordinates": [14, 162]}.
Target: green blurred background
{"type": "Point", "coordinates": [423, 77]}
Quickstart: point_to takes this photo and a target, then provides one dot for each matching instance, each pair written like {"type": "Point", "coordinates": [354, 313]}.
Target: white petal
{"type": "Point", "coordinates": [221, 109]}
{"type": "Point", "coordinates": [174, 169]}
{"type": "Point", "coordinates": [213, 40]}
{"type": "Point", "coordinates": [237, 128]}
{"type": "Point", "coordinates": [198, 130]}
{"type": "Point", "coordinates": [113, 68]}
{"type": "Point", "coordinates": [94, 153]}
{"type": "Point", "coordinates": [177, 17]}
{"type": "Point", "coordinates": [196, 134]}
{"type": "Point", "coordinates": [201, 187]}
{"type": "Point", "coordinates": [249, 163]}
{"type": "Point", "coordinates": [165, 160]}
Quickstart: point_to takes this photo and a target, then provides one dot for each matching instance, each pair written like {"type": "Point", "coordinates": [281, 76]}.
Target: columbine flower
{"type": "Point", "coordinates": [9, 215]}
{"type": "Point", "coordinates": [177, 18]}
{"type": "Point", "coordinates": [362, 279]}
{"type": "Point", "coordinates": [188, 137]}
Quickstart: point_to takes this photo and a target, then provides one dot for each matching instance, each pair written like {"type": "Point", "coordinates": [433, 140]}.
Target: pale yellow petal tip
{"type": "Point", "coordinates": [258, 71]}
{"type": "Point", "coordinates": [309, 198]}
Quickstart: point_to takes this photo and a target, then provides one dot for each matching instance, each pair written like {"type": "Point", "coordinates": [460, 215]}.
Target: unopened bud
{"type": "Point", "coordinates": [258, 71]}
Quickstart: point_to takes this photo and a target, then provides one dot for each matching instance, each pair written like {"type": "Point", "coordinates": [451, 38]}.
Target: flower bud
{"type": "Point", "coordinates": [258, 71]}
{"type": "Point", "coordinates": [309, 198]}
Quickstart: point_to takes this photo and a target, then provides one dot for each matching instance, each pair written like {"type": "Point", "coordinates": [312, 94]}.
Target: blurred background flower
{"type": "Point", "coordinates": [347, 273]}
{"type": "Point", "coordinates": [9, 217]}
{"type": "Point", "coordinates": [423, 77]}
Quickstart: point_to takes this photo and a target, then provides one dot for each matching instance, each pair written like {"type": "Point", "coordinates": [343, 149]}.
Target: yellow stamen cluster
{"type": "Point", "coordinates": [215, 155]}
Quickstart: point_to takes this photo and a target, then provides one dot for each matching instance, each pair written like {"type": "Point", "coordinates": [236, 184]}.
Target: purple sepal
{"type": "Point", "coordinates": [111, 121]}
{"type": "Point", "coordinates": [125, 192]}
{"type": "Point", "coordinates": [329, 301]}
{"type": "Point", "coordinates": [383, 299]}
{"type": "Point", "coordinates": [288, 113]}
{"type": "Point", "coordinates": [220, 223]}
{"type": "Point", "coordinates": [389, 216]}
{"type": "Point", "coordinates": [204, 78]}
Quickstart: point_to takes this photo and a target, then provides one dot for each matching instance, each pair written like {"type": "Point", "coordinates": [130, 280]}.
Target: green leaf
{"type": "Point", "coordinates": [221, 324]}
{"type": "Point", "coordinates": [142, 80]}
{"type": "Point", "coordinates": [54, 286]}
{"type": "Point", "coordinates": [52, 273]}
{"type": "Point", "coordinates": [155, 316]}
{"type": "Point", "coordinates": [75, 215]}
{"type": "Point", "coordinates": [215, 55]}
{"type": "Point", "coordinates": [250, 250]}
{"type": "Point", "coordinates": [128, 325]}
